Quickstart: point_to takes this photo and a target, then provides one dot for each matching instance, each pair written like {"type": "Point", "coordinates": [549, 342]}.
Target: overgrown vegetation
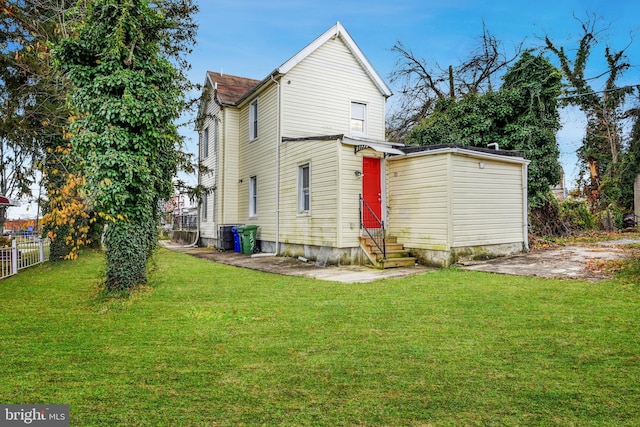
{"type": "Point", "coordinates": [603, 148]}
{"type": "Point", "coordinates": [464, 105]}
{"type": "Point", "coordinates": [521, 116]}
{"type": "Point", "coordinates": [126, 96]}
{"type": "Point", "coordinates": [208, 344]}
{"type": "Point", "coordinates": [577, 214]}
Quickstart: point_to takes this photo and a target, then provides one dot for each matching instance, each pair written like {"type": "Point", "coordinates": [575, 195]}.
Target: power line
{"type": "Point", "coordinates": [577, 95]}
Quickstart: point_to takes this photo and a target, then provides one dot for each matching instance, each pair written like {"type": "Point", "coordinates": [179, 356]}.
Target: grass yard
{"type": "Point", "coordinates": [211, 345]}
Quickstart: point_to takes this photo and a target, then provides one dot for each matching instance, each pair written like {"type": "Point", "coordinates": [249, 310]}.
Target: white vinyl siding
{"type": "Point", "coordinates": [317, 95]}
{"type": "Point", "coordinates": [316, 100]}
{"type": "Point", "coordinates": [418, 198]}
{"type": "Point", "coordinates": [320, 228]}
{"type": "Point", "coordinates": [487, 202]}
{"type": "Point", "coordinates": [258, 159]}
{"type": "Point", "coordinates": [210, 158]}
{"type": "Point", "coordinates": [228, 206]}
{"type": "Point", "coordinates": [447, 201]}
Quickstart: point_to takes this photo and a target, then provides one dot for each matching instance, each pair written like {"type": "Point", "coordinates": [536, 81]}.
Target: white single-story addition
{"type": "Point", "coordinates": [302, 154]}
{"type": "Point", "coordinates": [447, 202]}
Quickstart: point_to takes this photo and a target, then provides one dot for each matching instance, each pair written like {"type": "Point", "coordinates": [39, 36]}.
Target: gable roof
{"type": "Point", "coordinates": [232, 90]}
{"type": "Point", "coordinates": [337, 30]}
{"type": "Point", "coordinates": [229, 89]}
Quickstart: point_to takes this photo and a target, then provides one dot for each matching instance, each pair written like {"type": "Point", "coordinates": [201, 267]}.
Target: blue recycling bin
{"type": "Point", "coordinates": [237, 245]}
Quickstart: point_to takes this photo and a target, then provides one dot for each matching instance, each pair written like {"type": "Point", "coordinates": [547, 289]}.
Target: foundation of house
{"type": "Point", "coordinates": [330, 255]}
{"type": "Point", "coordinates": [356, 255]}
{"type": "Point", "coordinates": [440, 258]}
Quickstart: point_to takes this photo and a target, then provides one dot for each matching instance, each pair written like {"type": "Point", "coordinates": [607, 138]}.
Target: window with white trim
{"type": "Point", "coordinates": [358, 118]}
{"type": "Point", "coordinates": [205, 143]}
{"type": "Point", "coordinates": [253, 120]}
{"type": "Point", "coordinates": [203, 207]}
{"type": "Point", "coordinates": [253, 196]}
{"type": "Point", "coordinates": [215, 135]}
{"type": "Point", "coordinates": [304, 187]}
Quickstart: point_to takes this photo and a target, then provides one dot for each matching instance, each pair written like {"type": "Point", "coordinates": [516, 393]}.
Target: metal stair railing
{"type": "Point", "coordinates": [377, 234]}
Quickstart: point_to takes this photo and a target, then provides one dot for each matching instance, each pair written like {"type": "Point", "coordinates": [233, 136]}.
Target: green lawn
{"type": "Point", "coordinates": [211, 345]}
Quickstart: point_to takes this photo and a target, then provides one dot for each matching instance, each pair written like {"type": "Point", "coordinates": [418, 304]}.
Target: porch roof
{"type": "Point", "coordinates": [390, 148]}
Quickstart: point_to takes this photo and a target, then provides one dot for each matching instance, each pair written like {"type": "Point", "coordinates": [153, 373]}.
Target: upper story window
{"type": "Point", "coordinates": [253, 196]}
{"type": "Point", "coordinates": [253, 120]}
{"type": "Point", "coordinates": [358, 118]}
{"type": "Point", "coordinates": [216, 128]}
{"type": "Point", "coordinates": [205, 143]}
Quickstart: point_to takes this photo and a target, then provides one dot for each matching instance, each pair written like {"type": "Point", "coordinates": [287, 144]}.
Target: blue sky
{"type": "Point", "coordinates": [250, 38]}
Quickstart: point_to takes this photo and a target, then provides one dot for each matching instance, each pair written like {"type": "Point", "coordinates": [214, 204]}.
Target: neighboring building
{"type": "Point", "coordinates": [180, 212]}
{"type": "Point", "coordinates": [560, 191]}
{"type": "Point", "coordinates": [302, 155]}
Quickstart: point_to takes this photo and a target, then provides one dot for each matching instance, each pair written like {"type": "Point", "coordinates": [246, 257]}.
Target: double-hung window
{"type": "Point", "coordinates": [253, 120]}
{"type": "Point", "coordinates": [205, 143]}
{"type": "Point", "coordinates": [253, 196]}
{"type": "Point", "coordinates": [358, 119]}
{"type": "Point", "coordinates": [304, 187]}
{"type": "Point", "coordinates": [203, 207]}
{"type": "Point", "coordinates": [215, 135]}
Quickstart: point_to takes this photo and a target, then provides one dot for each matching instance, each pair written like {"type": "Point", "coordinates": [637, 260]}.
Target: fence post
{"type": "Point", "coordinates": [41, 249]}
{"type": "Point", "coordinates": [14, 256]}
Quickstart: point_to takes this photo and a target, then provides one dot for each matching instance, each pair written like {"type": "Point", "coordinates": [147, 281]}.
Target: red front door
{"type": "Point", "coordinates": [371, 192]}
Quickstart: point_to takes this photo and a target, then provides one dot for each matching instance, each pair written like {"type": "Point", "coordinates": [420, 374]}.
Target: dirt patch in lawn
{"type": "Point", "coordinates": [589, 261]}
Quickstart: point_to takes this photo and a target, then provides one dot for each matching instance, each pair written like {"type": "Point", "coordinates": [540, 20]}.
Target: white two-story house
{"type": "Point", "coordinates": [302, 154]}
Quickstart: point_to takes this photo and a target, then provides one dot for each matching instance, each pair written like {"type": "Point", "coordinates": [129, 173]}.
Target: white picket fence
{"type": "Point", "coordinates": [24, 252]}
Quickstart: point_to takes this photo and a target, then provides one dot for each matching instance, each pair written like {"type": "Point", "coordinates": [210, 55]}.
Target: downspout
{"type": "Point", "coordinates": [525, 207]}
{"type": "Point", "coordinates": [197, 238]}
{"type": "Point", "coordinates": [278, 140]}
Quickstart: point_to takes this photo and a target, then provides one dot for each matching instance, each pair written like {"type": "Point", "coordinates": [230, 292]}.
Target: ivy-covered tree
{"type": "Point", "coordinates": [602, 145]}
{"type": "Point", "coordinates": [521, 116]}
{"type": "Point", "coordinates": [127, 92]}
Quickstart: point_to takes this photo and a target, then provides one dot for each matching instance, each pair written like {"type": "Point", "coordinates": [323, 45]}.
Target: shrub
{"type": "Point", "coordinates": [576, 214]}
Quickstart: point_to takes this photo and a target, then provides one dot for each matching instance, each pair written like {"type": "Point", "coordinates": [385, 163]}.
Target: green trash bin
{"type": "Point", "coordinates": [249, 238]}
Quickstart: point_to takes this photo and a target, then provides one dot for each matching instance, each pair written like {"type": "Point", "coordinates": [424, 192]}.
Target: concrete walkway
{"type": "Point", "coordinates": [588, 262]}
{"type": "Point", "coordinates": [293, 267]}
